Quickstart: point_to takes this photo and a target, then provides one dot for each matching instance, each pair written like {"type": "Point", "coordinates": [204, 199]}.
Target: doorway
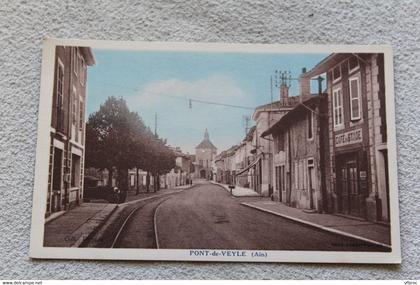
{"type": "Point", "coordinates": [56, 180]}
{"type": "Point", "coordinates": [203, 174]}
{"type": "Point", "coordinates": [350, 194]}
{"type": "Point", "coordinates": [311, 184]}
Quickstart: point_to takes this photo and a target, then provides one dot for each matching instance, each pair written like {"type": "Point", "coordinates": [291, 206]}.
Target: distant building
{"type": "Point", "coordinates": [181, 174]}
{"type": "Point", "coordinates": [244, 175]}
{"type": "Point", "coordinates": [265, 116]}
{"type": "Point", "coordinates": [65, 179]}
{"type": "Point", "coordinates": [205, 153]}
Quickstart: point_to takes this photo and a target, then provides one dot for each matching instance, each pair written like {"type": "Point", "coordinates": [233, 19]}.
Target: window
{"type": "Point", "coordinates": [279, 142]}
{"type": "Point", "coordinates": [74, 105]}
{"type": "Point", "coordinates": [75, 61]}
{"type": "Point", "coordinates": [355, 112]}
{"type": "Point", "coordinates": [282, 179]}
{"type": "Point", "coordinates": [277, 177]}
{"type": "Point", "coordinates": [337, 107]}
{"type": "Point", "coordinates": [336, 73]}
{"type": "Point", "coordinates": [353, 64]}
{"type": "Point", "coordinates": [81, 108]}
{"type": "Point", "coordinates": [75, 170]}
{"type": "Point", "coordinates": [82, 70]}
{"type": "Point", "coordinates": [310, 125]}
{"type": "Point", "coordinates": [59, 91]}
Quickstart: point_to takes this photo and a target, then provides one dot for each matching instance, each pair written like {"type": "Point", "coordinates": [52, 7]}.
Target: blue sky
{"type": "Point", "coordinates": [162, 82]}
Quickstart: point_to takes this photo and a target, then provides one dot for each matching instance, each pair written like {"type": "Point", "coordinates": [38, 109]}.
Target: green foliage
{"type": "Point", "coordinates": [117, 138]}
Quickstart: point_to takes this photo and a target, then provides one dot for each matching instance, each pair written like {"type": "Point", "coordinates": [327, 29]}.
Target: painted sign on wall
{"type": "Point", "coordinates": [350, 137]}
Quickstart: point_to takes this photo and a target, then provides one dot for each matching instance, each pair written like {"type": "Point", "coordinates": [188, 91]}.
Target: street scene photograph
{"type": "Point", "coordinates": [217, 150]}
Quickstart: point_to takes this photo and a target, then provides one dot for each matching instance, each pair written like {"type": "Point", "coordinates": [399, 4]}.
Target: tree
{"type": "Point", "coordinates": [111, 139]}
{"type": "Point", "coordinates": [118, 139]}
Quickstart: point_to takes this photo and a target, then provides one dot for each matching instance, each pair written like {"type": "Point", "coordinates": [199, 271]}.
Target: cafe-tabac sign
{"type": "Point", "coordinates": [350, 137]}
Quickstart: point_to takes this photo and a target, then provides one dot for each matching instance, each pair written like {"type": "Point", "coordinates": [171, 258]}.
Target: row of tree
{"type": "Point", "coordinates": [118, 140]}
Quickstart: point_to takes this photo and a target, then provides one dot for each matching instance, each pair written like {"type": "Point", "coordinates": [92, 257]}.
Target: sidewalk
{"type": "Point", "coordinates": [358, 229]}
{"type": "Point", "coordinates": [239, 191]}
{"type": "Point", "coordinates": [73, 227]}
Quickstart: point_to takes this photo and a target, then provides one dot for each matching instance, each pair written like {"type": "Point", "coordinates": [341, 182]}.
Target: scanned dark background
{"type": "Point", "coordinates": [23, 24]}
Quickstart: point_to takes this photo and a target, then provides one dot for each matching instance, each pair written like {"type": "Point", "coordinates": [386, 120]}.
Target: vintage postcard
{"type": "Point", "coordinates": [216, 152]}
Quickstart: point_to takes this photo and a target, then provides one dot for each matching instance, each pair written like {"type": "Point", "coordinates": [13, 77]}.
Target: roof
{"type": "Point", "coordinates": [88, 55]}
{"type": "Point", "coordinates": [284, 122]}
{"type": "Point", "coordinates": [327, 63]}
{"type": "Point", "coordinates": [206, 144]}
{"type": "Point", "coordinates": [250, 134]}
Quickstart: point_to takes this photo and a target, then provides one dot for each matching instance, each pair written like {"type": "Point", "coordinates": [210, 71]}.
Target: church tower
{"type": "Point", "coordinates": [205, 153]}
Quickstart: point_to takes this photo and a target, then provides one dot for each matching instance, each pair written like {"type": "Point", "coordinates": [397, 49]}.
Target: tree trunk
{"type": "Point", "coordinates": [155, 184]}
{"type": "Point", "coordinates": [122, 179]}
{"type": "Point", "coordinates": [137, 180]}
{"type": "Point", "coordinates": [148, 182]}
{"type": "Point", "coordinates": [110, 174]}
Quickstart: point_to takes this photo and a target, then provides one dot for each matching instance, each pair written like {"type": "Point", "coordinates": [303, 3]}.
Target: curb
{"type": "Point", "coordinates": [84, 238]}
{"type": "Point", "coordinates": [54, 216]}
{"type": "Point", "coordinates": [228, 190]}
{"type": "Point", "coordinates": [324, 228]}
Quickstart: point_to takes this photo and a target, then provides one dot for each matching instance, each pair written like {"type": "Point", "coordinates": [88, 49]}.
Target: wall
{"type": "Point", "coordinates": [23, 24]}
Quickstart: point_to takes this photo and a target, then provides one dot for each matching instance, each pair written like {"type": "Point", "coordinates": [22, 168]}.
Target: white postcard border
{"type": "Point", "coordinates": [37, 250]}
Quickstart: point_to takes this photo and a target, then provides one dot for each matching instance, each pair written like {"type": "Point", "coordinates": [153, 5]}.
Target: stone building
{"type": "Point", "coordinates": [299, 155]}
{"type": "Point", "coordinates": [205, 154]}
{"type": "Point", "coordinates": [181, 174]}
{"type": "Point", "coordinates": [357, 136]}
{"type": "Point", "coordinates": [65, 179]}
{"type": "Point", "coordinates": [265, 116]}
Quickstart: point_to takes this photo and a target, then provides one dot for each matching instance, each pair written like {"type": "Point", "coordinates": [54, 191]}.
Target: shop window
{"type": "Point", "coordinates": [338, 108]}
{"type": "Point", "coordinates": [355, 112]}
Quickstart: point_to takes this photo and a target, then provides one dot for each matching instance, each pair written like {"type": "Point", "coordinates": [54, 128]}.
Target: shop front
{"type": "Point", "coordinates": [351, 170]}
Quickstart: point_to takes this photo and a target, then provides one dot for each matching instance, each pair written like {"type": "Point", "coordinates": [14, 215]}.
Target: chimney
{"type": "Point", "coordinates": [284, 85]}
{"type": "Point", "coordinates": [284, 91]}
{"type": "Point", "coordinates": [304, 85]}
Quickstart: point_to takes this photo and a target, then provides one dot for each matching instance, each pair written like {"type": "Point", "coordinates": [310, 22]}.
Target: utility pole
{"type": "Point", "coordinates": [155, 124]}
{"type": "Point", "coordinates": [246, 123]}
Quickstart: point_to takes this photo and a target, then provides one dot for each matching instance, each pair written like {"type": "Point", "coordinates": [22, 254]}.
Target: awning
{"type": "Point", "coordinates": [249, 166]}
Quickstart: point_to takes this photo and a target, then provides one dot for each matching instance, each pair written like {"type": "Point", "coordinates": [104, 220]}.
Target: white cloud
{"type": "Point", "coordinates": [214, 88]}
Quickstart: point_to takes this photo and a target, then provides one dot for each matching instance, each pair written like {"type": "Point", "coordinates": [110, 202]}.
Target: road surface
{"type": "Point", "coordinates": [207, 217]}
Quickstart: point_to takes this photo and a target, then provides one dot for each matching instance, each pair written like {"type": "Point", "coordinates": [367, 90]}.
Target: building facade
{"type": "Point", "coordinates": [298, 162]}
{"type": "Point", "coordinates": [357, 159]}
{"type": "Point", "coordinates": [265, 116]}
{"type": "Point", "coordinates": [205, 154]}
{"type": "Point", "coordinates": [65, 179]}
{"type": "Point", "coordinates": [181, 174]}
